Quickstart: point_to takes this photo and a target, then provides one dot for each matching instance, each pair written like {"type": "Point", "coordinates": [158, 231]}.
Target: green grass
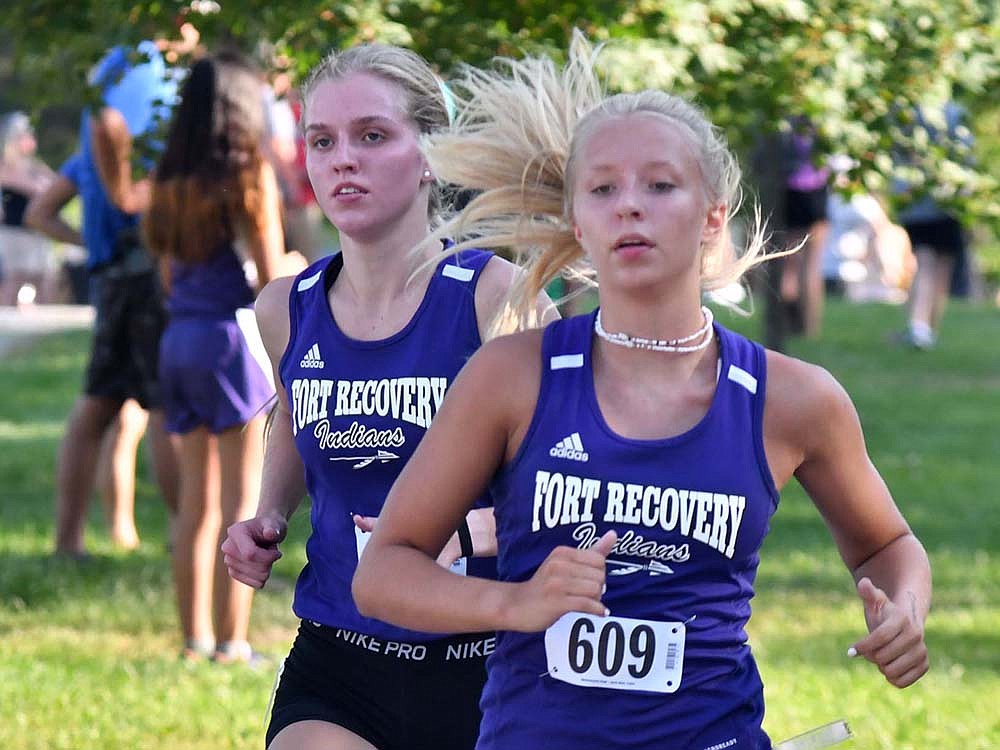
{"type": "Point", "coordinates": [932, 422]}
{"type": "Point", "coordinates": [88, 653]}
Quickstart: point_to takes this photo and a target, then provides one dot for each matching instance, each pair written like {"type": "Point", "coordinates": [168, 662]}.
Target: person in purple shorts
{"type": "Point", "coordinates": [213, 188]}
{"type": "Point", "coordinates": [635, 454]}
{"type": "Point", "coordinates": [365, 344]}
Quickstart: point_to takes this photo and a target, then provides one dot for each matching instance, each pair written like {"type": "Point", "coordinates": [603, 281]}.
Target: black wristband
{"type": "Point", "coordinates": [465, 538]}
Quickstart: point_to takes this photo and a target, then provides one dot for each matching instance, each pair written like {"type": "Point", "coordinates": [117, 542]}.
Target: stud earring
{"type": "Point", "coordinates": [427, 174]}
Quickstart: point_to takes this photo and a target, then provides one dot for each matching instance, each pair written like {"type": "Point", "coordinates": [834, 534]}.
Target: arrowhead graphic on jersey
{"type": "Point", "coordinates": [362, 461]}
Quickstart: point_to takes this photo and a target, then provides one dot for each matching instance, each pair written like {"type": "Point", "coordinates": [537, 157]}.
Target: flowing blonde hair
{"type": "Point", "coordinates": [516, 140]}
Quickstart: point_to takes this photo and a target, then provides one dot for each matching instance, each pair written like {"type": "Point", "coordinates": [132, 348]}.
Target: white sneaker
{"type": "Point", "coordinates": [921, 336]}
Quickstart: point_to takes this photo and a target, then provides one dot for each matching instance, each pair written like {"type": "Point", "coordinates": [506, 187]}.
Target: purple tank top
{"type": "Point", "coordinates": [216, 288]}
{"type": "Point", "coordinates": [691, 512]}
{"type": "Point", "coordinates": [359, 408]}
{"type": "Point", "coordinates": [806, 177]}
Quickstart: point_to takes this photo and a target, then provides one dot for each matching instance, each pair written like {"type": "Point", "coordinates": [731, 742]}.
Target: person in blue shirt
{"type": "Point", "coordinates": [25, 258]}
{"type": "Point", "coordinates": [124, 287]}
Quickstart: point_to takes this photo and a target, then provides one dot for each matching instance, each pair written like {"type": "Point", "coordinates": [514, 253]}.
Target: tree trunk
{"type": "Point", "coordinates": [767, 173]}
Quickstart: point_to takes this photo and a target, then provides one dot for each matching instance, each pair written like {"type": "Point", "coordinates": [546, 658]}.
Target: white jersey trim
{"type": "Point", "coordinates": [566, 361]}
{"type": "Point", "coordinates": [457, 272]}
{"type": "Point", "coordinates": [309, 282]}
{"type": "Point", "coordinates": [744, 378]}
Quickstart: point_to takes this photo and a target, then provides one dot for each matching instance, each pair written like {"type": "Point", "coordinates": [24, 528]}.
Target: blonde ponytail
{"type": "Point", "coordinates": [515, 140]}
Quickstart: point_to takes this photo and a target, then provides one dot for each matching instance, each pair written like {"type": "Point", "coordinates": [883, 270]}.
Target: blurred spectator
{"type": "Point", "coordinates": [213, 188]}
{"type": "Point", "coordinates": [29, 271]}
{"type": "Point", "coordinates": [806, 194]}
{"type": "Point", "coordinates": [284, 147]}
{"type": "Point", "coordinates": [125, 291]}
{"type": "Point", "coordinates": [938, 239]}
{"type": "Point", "coordinates": [866, 256]}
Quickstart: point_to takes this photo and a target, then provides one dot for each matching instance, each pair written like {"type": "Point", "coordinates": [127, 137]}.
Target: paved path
{"type": "Point", "coordinates": [19, 326]}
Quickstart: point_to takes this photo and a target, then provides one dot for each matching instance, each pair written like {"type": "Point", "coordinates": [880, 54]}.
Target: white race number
{"type": "Point", "coordinates": [619, 653]}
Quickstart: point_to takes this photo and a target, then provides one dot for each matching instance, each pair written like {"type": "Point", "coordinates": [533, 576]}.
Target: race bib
{"type": "Point", "coordinates": [618, 653]}
{"type": "Point", "coordinates": [361, 537]}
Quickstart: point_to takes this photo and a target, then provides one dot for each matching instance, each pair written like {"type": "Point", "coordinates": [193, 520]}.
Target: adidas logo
{"type": "Point", "coordinates": [570, 447]}
{"type": "Point", "coordinates": [313, 358]}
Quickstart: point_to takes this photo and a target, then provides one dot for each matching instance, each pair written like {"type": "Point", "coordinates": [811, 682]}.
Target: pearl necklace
{"type": "Point", "coordinates": [657, 345]}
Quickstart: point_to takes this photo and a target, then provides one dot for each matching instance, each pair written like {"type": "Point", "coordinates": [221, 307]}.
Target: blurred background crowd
{"type": "Point", "coordinates": [860, 119]}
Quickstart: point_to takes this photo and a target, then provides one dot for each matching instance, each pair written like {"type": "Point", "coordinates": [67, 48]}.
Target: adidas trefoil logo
{"type": "Point", "coordinates": [570, 447]}
{"type": "Point", "coordinates": [313, 358]}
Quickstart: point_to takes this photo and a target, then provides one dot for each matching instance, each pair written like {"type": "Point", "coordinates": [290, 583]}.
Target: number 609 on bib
{"type": "Point", "coordinates": [618, 653]}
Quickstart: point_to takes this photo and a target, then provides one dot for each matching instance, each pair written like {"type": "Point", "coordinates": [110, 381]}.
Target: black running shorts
{"type": "Point", "coordinates": [944, 236]}
{"type": "Point", "coordinates": [397, 696]}
{"type": "Point", "coordinates": [805, 208]}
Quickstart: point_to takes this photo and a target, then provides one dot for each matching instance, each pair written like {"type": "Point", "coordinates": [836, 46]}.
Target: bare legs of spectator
{"type": "Point", "coordinates": [116, 473]}
{"type": "Point", "coordinates": [219, 484]}
{"type": "Point", "coordinates": [929, 295]}
{"type": "Point", "coordinates": [241, 456]}
{"type": "Point", "coordinates": [195, 534]}
{"type": "Point", "coordinates": [802, 280]}
{"type": "Point", "coordinates": [78, 458]}
{"type": "Point", "coordinates": [163, 453]}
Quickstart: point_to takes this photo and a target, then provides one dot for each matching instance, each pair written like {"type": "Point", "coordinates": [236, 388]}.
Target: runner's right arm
{"type": "Point", "coordinates": [480, 427]}
{"type": "Point", "coordinates": [251, 546]}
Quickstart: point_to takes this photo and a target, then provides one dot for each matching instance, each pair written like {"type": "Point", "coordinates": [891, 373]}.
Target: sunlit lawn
{"type": "Point", "coordinates": [88, 653]}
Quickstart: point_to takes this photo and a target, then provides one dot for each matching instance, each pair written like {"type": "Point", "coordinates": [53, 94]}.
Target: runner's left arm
{"type": "Point", "coordinates": [889, 564]}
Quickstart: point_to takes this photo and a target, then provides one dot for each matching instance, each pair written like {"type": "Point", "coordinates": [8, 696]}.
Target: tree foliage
{"type": "Point", "coordinates": [855, 67]}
